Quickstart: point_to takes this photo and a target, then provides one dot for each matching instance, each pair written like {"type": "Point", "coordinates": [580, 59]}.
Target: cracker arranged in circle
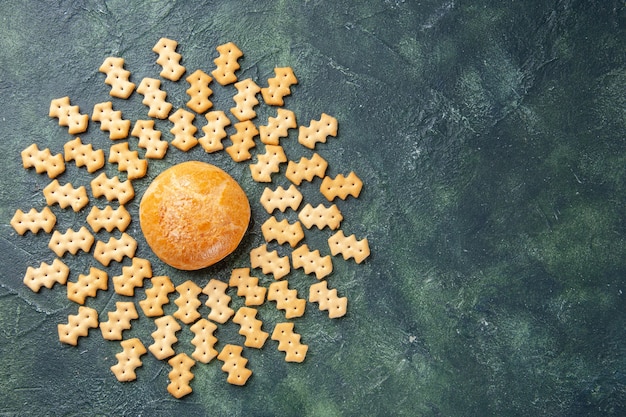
{"type": "Point", "coordinates": [132, 277]}
{"type": "Point", "coordinates": [183, 130]}
{"type": "Point", "coordinates": [169, 59]}
{"type": "Point", "coordinates": [69, 115]}
{"type": "Point", "coordinates": [269, 262]}
{"type": "Point", "coordinates": [245, 100]}
{"type": "Point", "coordinates": [164, 337]}
{"type": "Point", "coordinates": [312, 262]}
{"type": "Point", "coordinates": [65, 195]}
{"type": "Point", "coordinates": [111, 120]}
{"type": "Point", "coordinates": [234, 364]}
{"type": "Point", "coordinates": [46, 275]}
{"type": "Point", "coordinates": [150, 139]}
{"type": "Point", "coordinates": [279, 86]}
{"type": "Point", "coordinates": [226, 63]}
{"type": "Point", "coordinates": [199, 91]}
{"type": "Point", "coordinates": [78, 325]}
{"type": "Point", "coordinates": [247, 286]}
{"type": "Point", "coordinates": [33, 221]}
{"type": "Point", "coordinates": [214, 131]}
{"type": "Point", "coordinates": [84, 155]}
{"type": "Point", "coordinates": [128, 161]}
{"type": "Point", "coordinates": [218, 301]}
{"type": "Point", "coordinates": [115, 249]}
{"type": "Point", "coordinates": [157, 296]}
{"type": "Point", "coordinates": [87, 285]}
{"type": "Point", "coordinates": [268, 163]}
{"type": "Point", "coordinates": [128, 360]}
{"type": "Point", "coordinates": [306, 169]}
{"type": "Point", "coordinates": [278, 127]}
{"type": "Point", "coordinates": [286, 299]}
{"type": "Point", "coordinates": [43, 161]}
{"type": "Point", "coordinates": [188, 302]}
{"type": "Point", "coordinates": [349, 247]}
{"type": "Point", "coordinates": [154, 98]}
{"type": "Point", "coordinates": [317, 131]}
{"type": "Point", "coordinates": [117, 77]}
{"type": "Point", "coordinates": [243, 141]}
{"type": "Point", "coordinates": [341, 186]}
{"type": "Point", "coordinates": [204, 341]}
{"type": "Point", "coordinates": [119, 320]}
{"type": "Point", "coordinates": [281, 199]}
{"type": "Point", "coordinates": [112, 188]}
{"type": "Point", "coordinates": [108, 219]}
{"type": "Point", "coordinates": [328, 300]}
{"type": "Point", "coordinates": [180, 376]}
{"type": "Point", "coordinates": [71, 241]}
{"type": "Point", "coordinates": [289, 342]}
{"type": "Point", "coordinates": [320, 216]}
{"type": "Point", "coordinates": [282, 231]}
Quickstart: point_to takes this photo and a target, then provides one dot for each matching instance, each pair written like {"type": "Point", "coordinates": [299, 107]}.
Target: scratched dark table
{"type": "Point", "coordinates": [490, 137]}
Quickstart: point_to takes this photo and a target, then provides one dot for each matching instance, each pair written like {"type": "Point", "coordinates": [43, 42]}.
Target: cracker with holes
{"type": "Point", "coordinates": [180, 376]}
{"type": "Point", "coordinates": [278, 127]}
{"type": "Point", "coordinates": [128, 161]}
{"type": "Point", "coordinates": [247, 286]}
{"type": "Point", "coordinates": [214, 131]}
{"type": "Point", "coordinates": [282, 231]}
{"type": "Point", "coordinates": [320, 216]}
{"type": "Point", "coordinates": [349, 246]}
{"type": "Point", "coordinates": [279, 86]}
{"type": "Point", "coordinates": [115, 249]}
{"type": "Point", "coordinates": [243, 141]}
{"type": "Point", "coordinates": [71, 241]}
{"type": "Point", "coordinates": [317, 131]}
{"type": "Point", "coordinates": [46, 275]}
{"type": "Point", "coordinates": [68, 115]}
{"type": "Point", "coordinates": [280, 199]}
{"type": "Point", "coordinates": [218, 301]}
{"type": "Point", "coordinates": [245, 100]}
{"type": "Point", "coordinates": [203, 341]}
{"type": "Point", "coordinates": [154, 98]}
{"type": "Point", "coordinates": [169, 59]}
{"type": "Point", "coordinates": [269, 262]}
{"type": "Point", "coordinates": [117, 77]}
{"type": "Point", "coordinates": [128, 360]}
{"type": "Point", "coordinates": [250, 327]}
{"type": "Point", "coordinates": [289, 342]}
{"type": "Point", "coordinates": [112, 188]}
{"type": "Point", "coordinates": [199, 91]}
{"type": "Point", "coordinates": [78, 325]}
{"type": "Point", "coordinates": [286, 299]}
{"type": "Point", "coordinates": [312, 262]}
{"type": "Point", "coordinates": [65, 195]}
{"type": "Point", "coordinates": [43, 161]}
{"type": "Point", "coordinates": [108, 219]}
{"type": "Point", "coordinates": [164, 337]}
{"type": "Point", "coordinates": [87, 285]}
{"type": "Point", "coordinates": [268, 163]}
{"type": "Point", "coordinates": [84, 155]}
{"type": "Point", "coordinates": [183, 130]}
{"type": "Point", "coordinates": [188, 302]}
{"type": "Point", "coordinates": [132, 277]}
{"type": "Point", "coordinates": [227, 63]}
{"type": "Point", "coordinates": [149, 139]}
{"type": "Point", "coordinates": [341, 186]}
{"type": "Point", "coordinates": [119, 320]}
{"type": "Point", "coordinates": [157, 296]}
{"type": "Point", "coordinates": [234, 364]}
{"type": "Point", "coordinates": [328, 300]}
{"type": "Point", "coordinates": [306, 169]}
{"type": "Point", "coordinates": [33, 221]}
{"type": "Point", "coordinates": [111, 120]}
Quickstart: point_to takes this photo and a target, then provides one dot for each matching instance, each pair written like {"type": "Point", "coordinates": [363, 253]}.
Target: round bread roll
{"type": "Point", "coordinates": [193, 215]}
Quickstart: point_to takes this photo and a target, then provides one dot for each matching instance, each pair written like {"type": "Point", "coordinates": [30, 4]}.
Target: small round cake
{"type": "Point", "coordinates": [193, 215]}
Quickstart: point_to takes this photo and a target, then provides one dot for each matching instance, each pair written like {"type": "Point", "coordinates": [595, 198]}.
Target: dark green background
{"type": "Point", "coordinates": [490, 136]}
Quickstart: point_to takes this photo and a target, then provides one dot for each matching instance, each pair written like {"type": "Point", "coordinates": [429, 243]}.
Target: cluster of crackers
{"type": "Point", "coordinates": [185, 136]}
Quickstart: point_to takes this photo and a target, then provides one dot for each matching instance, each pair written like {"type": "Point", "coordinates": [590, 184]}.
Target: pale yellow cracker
{"type": "Point", "coordinates": [87, 285]}
{"type": "Point", "coordinates": [328, 299]}
{"type": "Point", "coordinates": [112, 188]}
{"type": "Point", "coordinates": [289, 342]}
{"type": "Point", "coordinates": [154, 98]}
{"type": "Point", "coordinates": [84, 155]}
{"type": "Point", "coordinates": [282, 231]}
{"type": "Point", "coordinates": [183, 130]}
{"type": "Point", "coordinates": [317, 131]}
{"type": "Point", "coordinates": [115, 249]}
{"type": "Point", "coordinates": [250, 327]}
{"type": "Point", "coordinates": [341, 186]}
{"type": "Point", "coordinates": [69, 115]}
{"type": "Point", "coordinates": [157, 296]}
{"type": "Point", "coordinates": [169, 59]}
{"type": "Point", "coordinates": [218, 301]}
{"type": "Point", "coordinates": [108, 219]}
{"type": "Point", "coordinates": [132, 277]}
{"type": "Point", "coordinates": [312, 262]}
{"type": "Point", "coordinates": [199, 91]}
{"type": "Point", "coordinates": [306, 169]}
{"type": "Point", "coordinates": [164, 337]}
{"type": "Point", "coordinates": [204, 341]}
{"type": "Point", "coordinates": [320, 216]}
{"type": "Point", "coordinates": [286, 299]}
{"type": "Point", "coordinates": [119, 320]}
{"type": "Point", "coordinates": [245, 100]}
{"type": "Point", "coordinates": [226, 63]}
{"type": "Point", "coordinates": [188, 302]}
{"type": "Point", "coordinates": [66, 195]}
{"type": "Point", "coordinates": [128, 161]}
{"type": "Point", "coordinates": [111, 120]}
{"type": "Point", "coordinates": [117, 77]}
{"type": "Point", "coordinates": [214, 131]}
{"type": "Point", "coordinates": [268, 163]}
{"type": "Point", "coordinates": [281, 199]}
{"type": "Point", "coordinates": [43, 161]}
{"type": "Point", "coordinates": [279, 86]}
{"type": "Point", "coordinates": [234, 364]}
{"type": "Point", "coordinates": [243, 141]}
{"type": "Point", "coordinates": [180, 376]}
{"type": "Point", "coordinates": [150, 139]}
{"type": "Point", "coordinates": [128, 360]}
{"type": "Point", "coordinates": [247, 286]}
{"type": "Point", "coordinates": [33, 221]}
{"type": "Point", "coordinates": [269, 262]}
{"type": "Point", "coordinates": [349, 247]}
{"type": "Point", "coordinates": [46, 275]}
{"type": "Point", "coordinates": [78, 325]}
{"type": "Point", "coordinates": [278, 127]}
{"type": "Point", "coordinates": [71, 241]}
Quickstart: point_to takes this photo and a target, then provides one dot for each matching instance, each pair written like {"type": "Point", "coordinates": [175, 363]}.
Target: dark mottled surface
{"type": "Point", "coordinates": [490, 137]}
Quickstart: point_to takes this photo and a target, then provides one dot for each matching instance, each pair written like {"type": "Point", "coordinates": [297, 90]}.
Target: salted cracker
{"type": "Point", "coordinates": [243, 141]}
{"type": "Point", "coordinates": [33, 221]}
{"type": "Point", "coordinates": [115, 249]}
{"type": "Point", "coordinates": [71, 241]}
{"type": "Point", "coordinates": [349, 247]}
{"type": "Point", "coordinates": [169, 59]}
{"type": "Point", "coordinates": [78, 325]}
{"type": "Point", "coordinates": [111, 120]}
{"type": "Point", "coordinates": [46, 275]}
{"type": "Point", "coordinates": [199, 91]}
{"type": "Point", "coordinates": [128, 161]}
{"type": "Point", "coordinates": [149, 139]}
{"type": "Point", "coordinates": [226, 63]}
{"type": "Point", "coordinates": [341, 186]}
{"type": "Point", "coordinates": [119, 320]}
{"type": "Point", "coordinates": [65, 195]}
{"type": "Point", "coordinates": [117, 77]}
{"type": "Point", "coordinates": [203, 340]}
{"type": "Point", "coordinates": [84, 155]}
{"type": "Point", "coordinates": [250, 327]}
{"type": "Point", "coordinates": [154, 98]}
{"type": "Point", "coordinates": [183, 130]}
{"type": "Point", "coordinates": [214, 131]}
{"type": "Point", "coordinates": [180, 376]}
{"type": "Point", "coordinates": [87, 285]}
{"type": "Point", "coordinates": [132, 277]}
{"type": "Point", "coordinates": [306, 169]}
{"type": "Point", "coordinates": [269, 262]}
{"type": "Point", "coordinates": [164, 337]}
{"type": "Point", "coordinates": [245, 100]}
{"type": "Point", "coordinates": [289, 342]}
{"type": "Point", "coordinates": [108, 219]}
{"type": "Point", "coordinates": [317, 131]}
{"type": "Point", "coordinates": [128, 360]}
{"type": "Point", "coordinates": [112, 188]}
{"type": "Point", "coordinates": [286, 299]}
{"type": "Point", "coordinates": [320, 216]}
{"type": "Point", "coordinates": [188, 302]}
{"type": "Point", "coordinates": [282, 231]}
{"type": "Point", "coordinates": [268, 163]}
{"type": "Point", "coordinates": [234, 364]}
{"type": "Point", "coordinates": [312, 262]}
{"type": "Point", "coordinates": [279, 86]}
{"type": "Point", "coordinates": [68, 115]}
{"type": "Point", "coordinates": [43, 161]}
{"type": "Point", "coordinates": [328, 300]}
{"type": "Point", "coordinates": [278, 127]}
{"type": "Point", "coordinates": [218, 301]}
{"type": "Point", "coordinates": [281, 199]}
{"type": "Point", "coordinates": [157, 296]}
{"type": "Point", "coordinates": [247, 286]}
